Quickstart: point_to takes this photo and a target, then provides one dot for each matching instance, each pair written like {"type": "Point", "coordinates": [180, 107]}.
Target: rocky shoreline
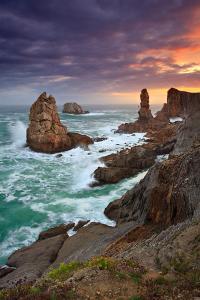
{"type": "Point", "coordinates": [157, 221]}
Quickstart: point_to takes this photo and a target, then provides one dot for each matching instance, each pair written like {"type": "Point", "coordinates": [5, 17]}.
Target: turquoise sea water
{"type": "Point", "coordinates": [38, 191]}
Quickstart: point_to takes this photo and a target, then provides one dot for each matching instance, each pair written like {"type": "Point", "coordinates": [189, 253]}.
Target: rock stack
{"type": "Point", "coordinates": [144, 112]}
{"type": "Point", "coordinates": [46, 133]}
{"type": "Point", "coordinates": [74, 108]}
{"type": "Point", "coordinates": [145, 120]}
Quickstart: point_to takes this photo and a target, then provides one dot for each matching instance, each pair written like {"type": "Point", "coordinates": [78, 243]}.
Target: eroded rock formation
{"type": "Point", "coordinates": [145, 120]}
{"type": "Point", "coordinates": [46, 133]}
{"type": "Point", "coordinates": [73, 108]}
{"type": "Point", "coordinates": [126, 163]}
{"type": "Point", "coordinates": [144, 112]}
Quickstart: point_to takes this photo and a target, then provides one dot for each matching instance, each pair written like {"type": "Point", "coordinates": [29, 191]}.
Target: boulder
{"type": "Point", "coordinates": [45, 132]}
{"type": "Point", "coordinates": [73, 108]}
{"type": "Point", "coordinates": [81, 140]}
{"type": "Point", "coordinates": [126, 163]}
{"type": "Point", "coordinates": [112, 174]}
{"type": "Point", "coordinates": [51, 232]}
{"type": "Point", "coordinates": [32, 261]}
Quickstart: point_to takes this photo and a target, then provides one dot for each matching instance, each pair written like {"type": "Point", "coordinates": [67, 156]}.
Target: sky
{"type": "Point", "coordinates": [98, 51]}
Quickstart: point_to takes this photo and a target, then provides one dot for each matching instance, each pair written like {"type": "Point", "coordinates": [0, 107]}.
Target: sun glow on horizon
{"type": "Point", "coordinates": [156, 96]}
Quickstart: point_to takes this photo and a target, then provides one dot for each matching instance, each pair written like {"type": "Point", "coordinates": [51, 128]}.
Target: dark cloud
{"type": "Point", "coordinates": [72, 47]}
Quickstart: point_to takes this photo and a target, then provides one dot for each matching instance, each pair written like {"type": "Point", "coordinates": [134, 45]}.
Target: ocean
{"type": "Point", "coordinates": [38, 191]}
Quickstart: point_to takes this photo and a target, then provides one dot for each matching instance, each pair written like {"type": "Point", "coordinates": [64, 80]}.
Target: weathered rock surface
{"type": "Point", "coordinates": [145, 120]}
{"type": "Point", "coordinates": [129, 162]}
{"type": "Point", "coordinates": [4, 270]}
{"type": "Point", "coordinates": [126, 163]}
{"type": "Point", "coordinates": [81, 140]}
{"type": "Point", "coordinates": [31, 262]}
{"type": "Point", "coordinates": [89, 241]}
{"type": "Point", "coordinates": [46, 133]}
{"type": "Point", "coordinates": [168, 194]}
{"type": "Point", "coordinates": [189, 132]}
{"type": "Point", "coordinates": [175, 106]}
{"type": "Point", "coordinates": [80, 224]}
{"type": "Point", "coordinates": [144, 112]}
{"type": "Point", "coordinates": [51, 232]}
{"type": "Point", "coordinates": [73, 108]}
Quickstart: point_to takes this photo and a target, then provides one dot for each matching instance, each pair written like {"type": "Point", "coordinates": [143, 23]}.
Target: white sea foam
{"type": "Point", "coordinates": [58, 188]}
{"type": "Point", "coordinates": [18, 133]}
{"type": "Point", "coordinates": [176, 119]}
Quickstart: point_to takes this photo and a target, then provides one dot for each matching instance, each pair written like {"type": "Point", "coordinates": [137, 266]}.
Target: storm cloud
{"type": "Point", "coordinates": [82, 48]}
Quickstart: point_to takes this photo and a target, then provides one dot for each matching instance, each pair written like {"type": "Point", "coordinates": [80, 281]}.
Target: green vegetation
{"type": "Point", "coordinates": [136, 277]}
{"type": "Point", "coordinates": [103, 263]}
{"type": "Point", "coordinates": [64, 270]}
{"type": "Point", "coordinates": [136, 298]}
{"type": "Point", "coordinates": [161, 280]}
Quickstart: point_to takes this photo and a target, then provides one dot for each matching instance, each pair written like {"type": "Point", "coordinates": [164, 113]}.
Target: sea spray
{"type": "Point", "coordinates": [18, 133]}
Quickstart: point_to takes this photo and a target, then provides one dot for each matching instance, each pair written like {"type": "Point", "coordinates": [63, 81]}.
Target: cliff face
{"type": "Point", "coordinates": [168, 194]}
{"type": "Point", "coordinates": [189, 132]}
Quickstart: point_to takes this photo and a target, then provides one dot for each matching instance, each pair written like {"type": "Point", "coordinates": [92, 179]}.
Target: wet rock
{"type": "Point", "coordinates": [59, 155]}
{"type": "Point", "coordinates": [80, 224]}
{"type": "Point", "coordinates": [112, 174]}
{"type": "Point", "coordinates": [51, 232]}
{"type": "Point", "coordinates": [4, 270]}
{"type": "Point", "coordinates": [81, 140]}
{"type": "Point", "coordinates": [125, 163]}
{"type": "Point", "coordinates": [73, 108]}
{"type": "Point", "coordinates": [99, 139]}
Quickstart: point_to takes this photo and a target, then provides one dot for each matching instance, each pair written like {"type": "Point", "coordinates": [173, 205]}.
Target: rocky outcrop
{"type": "Point", "coordinates": [168, 194]}
{"type": "Point", "coordinates": [81, 140]}
{"type": "Point", "coordinates": [189, 132]}
{"type": "Point", "coordinates": [179, 103]}
{"type": "Point", "coordinates": [73, 108]}
{"type": "Point", "coordinates": [129, 162]}
{"type": "Point", "coordinates": [54, 231]}
{"type": "Point", "coordinates": [31, 262]}
{"type": "Point", "coordinates": [126, 163]}
{"type": "Point", "coordinates": [46, 133]}
{"type": "Point", "coordinates": [145, 120]}
{"type": "Point", "coordinates": [89, 241]}
{"type": "Point", "coordinates": [144, 112]}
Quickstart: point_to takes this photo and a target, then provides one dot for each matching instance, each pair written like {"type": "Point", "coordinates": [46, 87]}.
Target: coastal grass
{"type": "Point", "coordinates": [55, 284]}
{"type": "Point", "coordinates": [64, 270]}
